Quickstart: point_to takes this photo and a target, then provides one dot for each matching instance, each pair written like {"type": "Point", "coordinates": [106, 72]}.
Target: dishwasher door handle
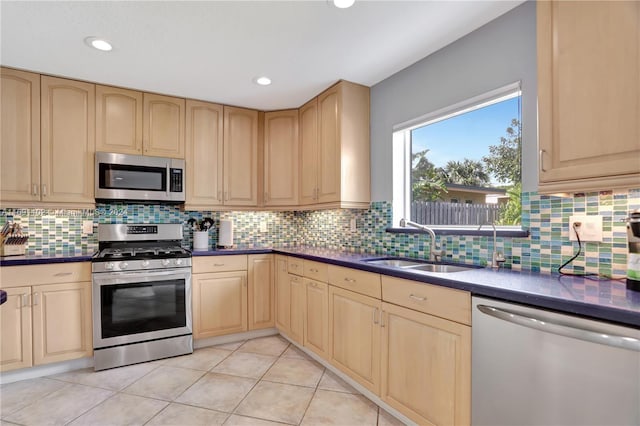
{"type": "Point", "coordinates": [586, 334]}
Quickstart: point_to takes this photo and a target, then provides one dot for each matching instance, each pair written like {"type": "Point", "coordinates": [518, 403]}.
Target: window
{"type": "Point", "coordinates": [461, 166]}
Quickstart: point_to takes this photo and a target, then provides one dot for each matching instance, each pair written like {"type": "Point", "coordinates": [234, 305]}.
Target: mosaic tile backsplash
{"type": "Point", "coordinates": [547, 247]}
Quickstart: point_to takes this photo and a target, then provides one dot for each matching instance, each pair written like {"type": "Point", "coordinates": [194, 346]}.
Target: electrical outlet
{"type": "Point", "coordinates": [263, 226]}
{"type": "Point", "coordinates": [87, 227]}
{"type": "Point", "coordinates": [352, 225]}
{"type": "Point", "coordinates": [590, 228]}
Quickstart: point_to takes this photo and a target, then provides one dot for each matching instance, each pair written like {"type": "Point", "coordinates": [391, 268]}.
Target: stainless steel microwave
{"type": "Point", "coordinates": [138, 178]}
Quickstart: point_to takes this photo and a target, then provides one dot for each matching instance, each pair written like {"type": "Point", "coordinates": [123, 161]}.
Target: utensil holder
{"type": "Point", "coordinates": [200, 240]}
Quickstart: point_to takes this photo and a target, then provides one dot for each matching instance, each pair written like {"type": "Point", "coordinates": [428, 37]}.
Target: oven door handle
{"type": "Point", "coordinates": [135, 275]}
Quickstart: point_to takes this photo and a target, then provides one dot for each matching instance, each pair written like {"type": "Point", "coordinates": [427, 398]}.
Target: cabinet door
{"type": "Point", "coordinates": [296, 289]}
{"type": "Point", "coordinates": [308, 118]}
{"type": "Point", "coordinates": [20, 135]}
{"type": "Point", "coordinates": [118, 120]}
{"type": "Point", "coordinates": [240, 157]}
{"type": "Point", "coordinates": [329, 146]}
{"type": "Point", "coordinates": [354, 336]}
{"type": "Point", "coordinates": [204, 154]}
{"type": "Point", "coordinates": [283, 296]}
{"type": "Point", "coordinates": [589, 94]}
{"type": "Point", "coordinates": [426, 367]}
{"type": "Point", "coordinates": [261, 291]}
{"type": "Point", "coordinates": [61, 322]}
{"type": "Point", "coordinates": [219, 303]}
{"type": "Point", "coordinates": [281, 158]}
{"type": "Point", "coordinates": [163, 131]}
{"type": "Point", "coordinates": [316, 325]}
{"type": "Point", "coordinates": [15, 329]}
{"type": "Point", "coordinates": [67, 141]}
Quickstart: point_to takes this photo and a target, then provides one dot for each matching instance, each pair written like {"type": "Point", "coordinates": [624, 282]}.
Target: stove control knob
{"type": "Point", "coordinates": [123, 265]}
{"type": "Point", "coordinates": [145, 263]}
{"type": "Point", "coordinates": [178, 262]}
{"type": "Point", "coordinates": [165, 262]}
{"type": "Point", "coordinates": [108, 266]}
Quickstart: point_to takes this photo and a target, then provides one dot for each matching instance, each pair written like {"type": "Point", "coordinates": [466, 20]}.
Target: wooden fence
{"type": "Point", "coordinates": [441, 213]}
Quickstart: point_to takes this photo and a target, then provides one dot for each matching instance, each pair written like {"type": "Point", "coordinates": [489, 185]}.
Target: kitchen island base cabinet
{"type": "Point", "coordinates": [426, 366]}
{"type": "Point", "coordinates": [219, 303]}
{"type": "Point", "coordinates": [354, 336]}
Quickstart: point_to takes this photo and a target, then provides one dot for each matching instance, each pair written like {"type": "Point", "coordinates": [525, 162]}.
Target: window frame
{"type": "Point", "coordinates": [401, 164]}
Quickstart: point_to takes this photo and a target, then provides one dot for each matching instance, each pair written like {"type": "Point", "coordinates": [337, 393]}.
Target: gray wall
{"type": "Point", "coordinates": [499, 53]}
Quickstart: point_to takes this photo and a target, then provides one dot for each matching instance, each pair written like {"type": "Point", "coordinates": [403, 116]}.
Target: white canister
{"type": "Point", "coordinates": [200, 240]}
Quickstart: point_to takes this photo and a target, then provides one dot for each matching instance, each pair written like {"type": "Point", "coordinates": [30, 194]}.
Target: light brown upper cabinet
{"type": "Point", "coordinates": [222, 156]}
{"type": "Point", "coordinates": [240, 185]}
{"type": "Point", "coordinates": [163, 130]}
{"type": "Point", "coordinates": [67, 143]}
{"type": "Point", "coordinates": [588, 95]}
{"type": "Point", "coordinates": [281, 158]}
{"type": "Point", "coordinates": [20, 136]}
{"type": "Point", "coordinates": [118, 120]}
{"type": "Point", "coordinates": [334, 148]}
{"type": "Point", "coordinates": [132, 122]}
{"type": "Point", "coordinates": [204, 148]}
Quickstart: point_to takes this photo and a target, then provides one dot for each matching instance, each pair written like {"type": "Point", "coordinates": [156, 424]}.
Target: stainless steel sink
{"type": "Point", "coordinates": [417, 266]}
{"type": "Point", "coordinates": [394, 263]}
{"type": "Point", "coordinates": [430, 267]}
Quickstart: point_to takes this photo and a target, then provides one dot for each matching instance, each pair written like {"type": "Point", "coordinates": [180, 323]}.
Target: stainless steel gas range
{"type": "Point", "coordinates": [141, 294]}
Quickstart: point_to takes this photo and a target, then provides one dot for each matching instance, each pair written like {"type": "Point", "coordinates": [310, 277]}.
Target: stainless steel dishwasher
{"type": "Point", "coordinates": [537, 367]}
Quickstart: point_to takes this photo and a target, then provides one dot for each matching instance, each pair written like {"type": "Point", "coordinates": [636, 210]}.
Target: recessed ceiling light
{"type": "Point", "coordinates": [343, 4]}
{"type": "Point", "coordinates": [262, 81]}
{"type": "Point", "coordinates": [98, 43]}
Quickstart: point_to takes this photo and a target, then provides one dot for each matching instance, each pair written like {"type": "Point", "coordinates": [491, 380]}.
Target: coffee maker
{"type": "Point", "coordinates": [633, 263]}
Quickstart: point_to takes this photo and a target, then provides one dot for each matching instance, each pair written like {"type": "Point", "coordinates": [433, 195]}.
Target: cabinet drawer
{"type": "Point", "coordinates": [355, 280]}
{"type": "Point", "coordinates": [294, 265]}
{"type": "Point", "coordinates": [442, 302]}
{"type": "Point", "coordinates": [316, 270]}
{"type": "Point", "coordinates": [52, 273]}
{"type": "Point", "coordinates": [219, 263]}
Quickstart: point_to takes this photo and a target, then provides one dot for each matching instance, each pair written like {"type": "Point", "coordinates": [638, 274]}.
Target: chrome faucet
{"type": "Point", "coordinates": [435, 254]}
{"type": "Point", "coordinates": [496, 258]}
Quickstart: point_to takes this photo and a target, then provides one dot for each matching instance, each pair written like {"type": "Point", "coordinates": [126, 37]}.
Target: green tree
{"type": "Point", "coordinates": [505, 159]}
{"type": "Point", "coordinates": [511, 212]}
{"type": "Point", "coordinates": [426, 182]}
{"type": "Point", "coordinates": [466, 172]}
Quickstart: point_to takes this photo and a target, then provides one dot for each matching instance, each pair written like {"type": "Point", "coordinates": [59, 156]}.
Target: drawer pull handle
{"type": "Point", "coordinates": [36, 299]}
{"type": "Point", "coordinates": [313, 270]}
{"type": "Point", "coordinates": [313, 284]}
{"type": "Point", "coordinates": [375, 314]}
{"type": "Point", "coordinates": [293, 265]}
{"type": "Point", "coordinates": [419, 298]}
{"type": "Point", "coordinates": [25, 301]}
{"type": "Point", "coordinates": [218, 264]}
{"type": "Point", "coordinates": [350, 280]}
{"type": "Point", "coordinates": [541, 160]}
{"type": "Point", "coordinates": [62, 274]}
{"type": "Point", "coordinates": [382, 319]}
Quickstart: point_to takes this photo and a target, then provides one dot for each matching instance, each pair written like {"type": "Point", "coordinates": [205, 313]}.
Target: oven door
{"type": "Point", "coordinates": [137, 306]}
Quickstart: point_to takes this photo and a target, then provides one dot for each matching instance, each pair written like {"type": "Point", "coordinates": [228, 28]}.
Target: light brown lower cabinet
{"type": "Point", "coordinates": [261, 294]}
{"type": "Point", "coordinates": [354, 336]}
{"type": "Point", "coordinates": [45, 323]}
{"type": "Point", "coordinates": [426, 366]}
{"type": "Point", "coordinates": [297, 293]}
{"type": "Point", "coordinates": [219, 303]}
{"type": "Point", "coordinates": [316, 323]}
{"type": "Point", "coordinates": [283, 295]}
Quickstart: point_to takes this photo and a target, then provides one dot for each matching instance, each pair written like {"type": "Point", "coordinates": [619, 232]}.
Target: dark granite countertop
{"type": "Point", "coordinates": [607, 300]}
{"type": "Point", "coordinates": [48, 258]}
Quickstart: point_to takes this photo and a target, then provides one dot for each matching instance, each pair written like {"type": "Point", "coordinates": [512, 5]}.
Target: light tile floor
{"type": "Point", "coordinates": [264, 381]}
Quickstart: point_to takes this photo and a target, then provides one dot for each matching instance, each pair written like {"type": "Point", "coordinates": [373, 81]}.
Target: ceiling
{"type": "Point", "coordinates": [213, 50]}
